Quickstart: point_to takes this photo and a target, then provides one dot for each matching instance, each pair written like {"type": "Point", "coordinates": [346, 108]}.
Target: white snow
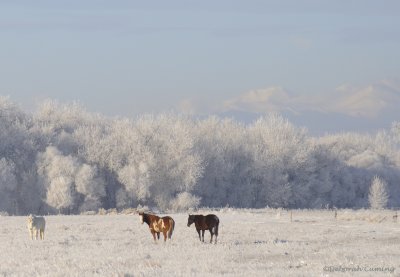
{"type": "Point", "coordinates": [250, 243]}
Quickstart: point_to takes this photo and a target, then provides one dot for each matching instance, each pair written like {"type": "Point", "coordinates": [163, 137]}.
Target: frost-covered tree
{"type": "Point", "coordinates": [395, 131]}
{"type": "Point", "coordinates": [174, 167]}
{"type": "Point", "coordinates": [284, 164]}
{"type": "Point", "coordinates": [61, 193]}
{"type": "Point", "coordinates": [90, 186]}
{"type": "Point", "coordinates": [378, 197]}
{"type": "Point", "coordinates": [148, 161]}
{"type": "Point", "coordinates": [18, 149]}
{"type": "Point", "coordinates": [69, 184]}
{"type": "Point", "coordinates": [226, 179]}
{"type": "Point", "coordinates": [8, 186]}
{"type": "Point", "coordinates": [57, 174]}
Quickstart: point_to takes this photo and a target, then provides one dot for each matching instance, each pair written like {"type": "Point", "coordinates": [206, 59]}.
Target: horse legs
{"type": "Point", "coordinates": [202, 234]}
{"type": "Point", "coordinates": [211, 235]}
{"type": "Point", "coordinates": [198, 231]}
{"type": "Point", "coordinates": [165, 235]}
{"type": "Point", "coordinates": [158, 235]}
{"type": "Point", "coordinates": [154, 235]}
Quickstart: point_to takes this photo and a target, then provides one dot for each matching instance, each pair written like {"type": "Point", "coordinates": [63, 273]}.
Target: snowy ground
{"type": "Point", "coordinates": [251, 243]}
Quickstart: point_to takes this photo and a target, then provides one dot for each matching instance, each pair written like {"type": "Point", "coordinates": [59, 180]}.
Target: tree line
{"type": "Point", "coordinates": [64, 159]}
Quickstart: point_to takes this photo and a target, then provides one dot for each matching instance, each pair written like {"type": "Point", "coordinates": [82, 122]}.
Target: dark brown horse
{"type": "Point", "coordinates": [209, 222]}
{"type": "Point", "coordinates": [158, 224]}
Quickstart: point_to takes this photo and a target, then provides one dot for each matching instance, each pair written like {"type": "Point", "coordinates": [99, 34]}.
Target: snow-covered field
{"type": "Point", "coordinates": [251, 243]}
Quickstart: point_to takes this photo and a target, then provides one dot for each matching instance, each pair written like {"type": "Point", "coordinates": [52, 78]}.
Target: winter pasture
{"type": "Point", "coordinates": [264, 242]}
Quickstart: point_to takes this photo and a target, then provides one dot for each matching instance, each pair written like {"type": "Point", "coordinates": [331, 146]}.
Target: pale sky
{"type": "Point", "coordinates": [328, 65]}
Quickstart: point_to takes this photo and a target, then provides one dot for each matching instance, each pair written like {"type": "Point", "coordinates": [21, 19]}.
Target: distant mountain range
{"type": "Point", "coordinates": [360, 109]}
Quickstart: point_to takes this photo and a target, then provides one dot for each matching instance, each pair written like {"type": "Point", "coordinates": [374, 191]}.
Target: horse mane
{"type": "Point", "coordinates": [147, 217]}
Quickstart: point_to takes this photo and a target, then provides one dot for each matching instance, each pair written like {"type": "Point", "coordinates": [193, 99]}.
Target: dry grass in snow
{"type": "Point", "coordinates": [251, 243]}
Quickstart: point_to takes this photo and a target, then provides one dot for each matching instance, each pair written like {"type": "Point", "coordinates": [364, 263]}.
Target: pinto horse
{"type": "Point", "coordinates": [158, 224]}
{"type": "Point", "coordinates": [209, 222]}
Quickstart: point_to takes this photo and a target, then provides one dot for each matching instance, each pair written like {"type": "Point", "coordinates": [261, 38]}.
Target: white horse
{"type": "Point", "coordinates": [36, 226]}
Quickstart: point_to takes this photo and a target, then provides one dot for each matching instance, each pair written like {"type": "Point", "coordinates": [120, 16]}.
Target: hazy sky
{"type": "Point", "coordinates": [306, 58]}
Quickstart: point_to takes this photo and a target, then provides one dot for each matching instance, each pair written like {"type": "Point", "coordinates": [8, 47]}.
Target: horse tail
{"type": "Point", "coordinates": [216, 227]}
{"type": "Point", "coordinates": [171, 228]}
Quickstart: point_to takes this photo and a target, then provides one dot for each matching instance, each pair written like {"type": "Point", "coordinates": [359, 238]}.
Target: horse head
{"type": "Point", "coordinates": [141, 216]}
{"type": "Point", "coordinates": [30, 218]}
{"type": "Point", "coordinates": [190, 220]}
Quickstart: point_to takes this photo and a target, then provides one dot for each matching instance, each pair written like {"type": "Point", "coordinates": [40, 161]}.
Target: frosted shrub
{"type": "Point", "coordinates": [102, 211]}
{"type": "Point", "coordinates": [185, 201]}
{"type": "Point", "coordinates": [378, 197]}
